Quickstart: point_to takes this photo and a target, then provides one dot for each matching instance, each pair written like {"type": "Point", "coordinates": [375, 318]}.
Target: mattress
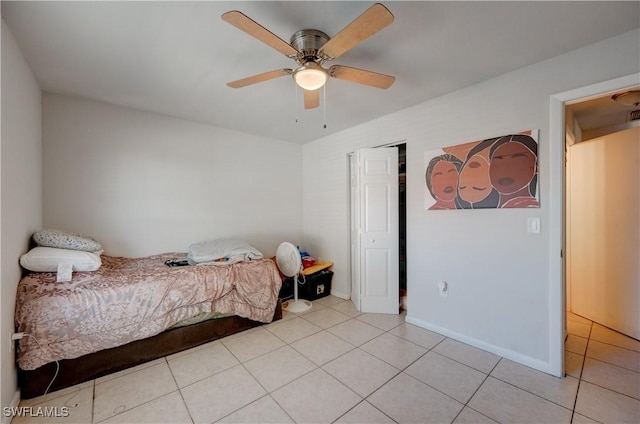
{"type": "Point", "coordinates": [129, 299]}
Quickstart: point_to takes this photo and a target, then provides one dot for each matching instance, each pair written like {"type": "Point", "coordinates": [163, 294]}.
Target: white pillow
{"type": "Point", "coordinates": [46, 259]}
{"type": "Point", "coordinates": [66, 240]}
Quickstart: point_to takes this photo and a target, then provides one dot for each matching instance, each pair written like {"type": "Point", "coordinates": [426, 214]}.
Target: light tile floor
{"type": "Point", "coordinates": [333, 364]}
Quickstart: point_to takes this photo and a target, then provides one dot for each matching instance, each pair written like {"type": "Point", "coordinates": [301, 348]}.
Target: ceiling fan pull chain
{"type": "Point", "coordinates": [324, 106]}
{"type": "Point", "coordinates": [295, 107]}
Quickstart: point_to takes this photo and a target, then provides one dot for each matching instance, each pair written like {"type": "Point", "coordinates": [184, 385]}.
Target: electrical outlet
{"type": "Point", "coordinates": [14, 337]}
{"type": "Point", "coordinates": [443, 288]}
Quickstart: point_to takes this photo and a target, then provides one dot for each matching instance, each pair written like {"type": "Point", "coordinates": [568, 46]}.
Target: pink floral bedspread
{"type": "Point", "coordinates": [129, 299]}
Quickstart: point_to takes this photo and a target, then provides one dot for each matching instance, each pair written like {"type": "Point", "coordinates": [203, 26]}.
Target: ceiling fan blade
{"type": "Point", "coordinates": [374, 19]}
{"type": "Point", "coordinates": [251, 27]}
{"type": "Point", "coordinates": [311, 99]}
{"type": "Point", "coordinates": [361, 76]}
{"type": "Point", "coordinates": [259, 78]}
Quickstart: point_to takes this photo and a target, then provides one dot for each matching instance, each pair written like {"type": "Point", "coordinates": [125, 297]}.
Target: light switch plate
{"type": "Point", "coordinates": [533, 225]}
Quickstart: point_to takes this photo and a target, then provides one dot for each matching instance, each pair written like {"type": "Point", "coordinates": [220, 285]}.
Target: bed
{"type": "Point", "coordinates": [133, 310]}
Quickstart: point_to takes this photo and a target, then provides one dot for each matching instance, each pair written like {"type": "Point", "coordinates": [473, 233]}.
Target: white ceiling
{"type": "Point", "coordinates": [175, 58]}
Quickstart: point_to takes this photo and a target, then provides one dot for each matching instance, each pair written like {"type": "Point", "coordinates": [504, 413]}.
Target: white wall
{"type": "Point", "coordinates": [143, 183]}
{"type": "Point", "coordinates": [21, 187]}
{"type": "Point", "coordinates": [498, 274]}
{"type": "Point", "coordinates": [604, 241]}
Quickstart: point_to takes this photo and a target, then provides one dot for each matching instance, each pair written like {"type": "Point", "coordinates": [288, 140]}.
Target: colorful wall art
{"type": "Point", "coordinates": [499, 172]}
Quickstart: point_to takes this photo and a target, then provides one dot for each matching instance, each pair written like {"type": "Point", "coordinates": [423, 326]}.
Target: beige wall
{"type": "Point", "coordinates": [603, 243]}
{"type": "Point", "coordinates": [143, 183]}
{"type": "Point", "coordinates": [498, 274]}
{"type": "Point", "coordinates": [21, 189]}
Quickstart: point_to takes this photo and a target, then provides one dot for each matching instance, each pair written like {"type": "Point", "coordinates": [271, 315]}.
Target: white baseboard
{"type": "Point", "coordinates": [14, 404]}
{"type": "Point", "coordinates": [340, 295]}
{"type": "Point", "coordinates": [500, 351]}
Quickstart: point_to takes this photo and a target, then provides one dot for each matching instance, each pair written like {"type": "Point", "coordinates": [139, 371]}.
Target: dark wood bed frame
{"type": "Point", "coordinates": [74, 371]}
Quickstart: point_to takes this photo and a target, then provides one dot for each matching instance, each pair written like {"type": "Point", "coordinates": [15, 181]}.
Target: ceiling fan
{"type": "Point", "coordinates": [310, 48]}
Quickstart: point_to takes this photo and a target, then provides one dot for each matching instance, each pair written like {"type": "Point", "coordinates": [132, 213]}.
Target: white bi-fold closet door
{"type": "Point", "coordinates": [374, 230]}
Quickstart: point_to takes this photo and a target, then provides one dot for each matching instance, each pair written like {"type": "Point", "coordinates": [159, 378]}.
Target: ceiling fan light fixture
{"type": "Point", "coordinates": [310, 76]}
{"type": "Point", "coordinates": [628, 98]}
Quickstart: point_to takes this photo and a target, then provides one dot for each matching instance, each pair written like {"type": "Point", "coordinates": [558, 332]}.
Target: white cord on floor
{"type": "Point", "coordinates": [57, 367]}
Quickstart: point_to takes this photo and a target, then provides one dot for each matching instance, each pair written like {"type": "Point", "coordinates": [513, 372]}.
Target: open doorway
{"type": "Point", "coordinates": [557, 239]}
{"type": "Point", "coordinates": [402, 212]}
{"type": "Point", "coordinates": [602, 200]}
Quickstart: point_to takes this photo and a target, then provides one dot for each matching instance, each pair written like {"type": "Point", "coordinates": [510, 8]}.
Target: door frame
{"type": "Point", "coordinates": [557, 208]}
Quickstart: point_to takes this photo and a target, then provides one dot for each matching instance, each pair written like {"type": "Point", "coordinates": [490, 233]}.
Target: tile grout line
{"type": "Point", "coordinates": [355, 347]}
{"type": "Point", "coordinates": [584, 360]}
{"type": "Point", "coordinates": [179, 390]}
{"type": "Point", "coordinates": [93, 399]}
{"type": "Point", "coordinates": [316, 366]}
{"type": "Point", "coordinates": [466, 404]}
{"type": "Point", "coordinates": [611, 363]}
{"type": "Point", "coordinates": [146, 402]}
{"type": "Point", "coordinates": [319, 367]}
{"type": "Point", "coordinates": [462, 363]}
{"type": "Point", "coordinates": [403, 371]}
{"type": "Point", "coordinates": [535, 394]}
